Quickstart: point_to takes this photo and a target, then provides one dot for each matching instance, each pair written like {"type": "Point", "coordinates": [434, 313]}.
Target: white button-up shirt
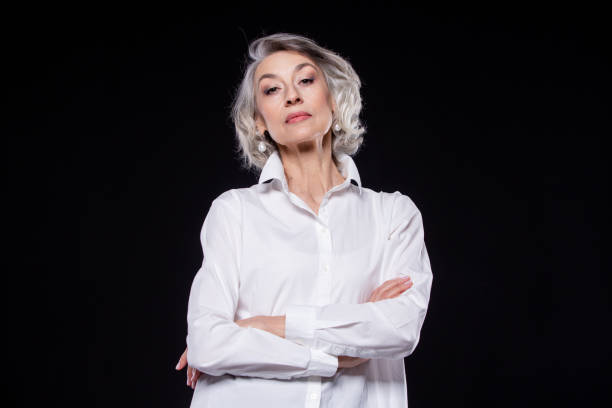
{"type": "Point", "coordinates": [266, 252]}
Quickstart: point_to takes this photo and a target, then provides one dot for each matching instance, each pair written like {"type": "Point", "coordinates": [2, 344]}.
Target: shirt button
{"type": "Point", "coordinates": [326, 267]}
{"type": "Point", "coordinates": [314, 396]}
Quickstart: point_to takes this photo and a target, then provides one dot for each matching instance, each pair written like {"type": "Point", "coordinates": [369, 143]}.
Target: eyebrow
{"type": "Point", "coordinates": [296, 69]}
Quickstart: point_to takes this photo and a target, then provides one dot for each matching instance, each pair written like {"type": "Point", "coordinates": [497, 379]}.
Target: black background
{"type": "Point", "coordinates": [492, 120]}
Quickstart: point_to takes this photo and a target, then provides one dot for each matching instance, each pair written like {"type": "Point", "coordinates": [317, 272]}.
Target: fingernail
{"type": "Point", "coordinates": [177, 365]}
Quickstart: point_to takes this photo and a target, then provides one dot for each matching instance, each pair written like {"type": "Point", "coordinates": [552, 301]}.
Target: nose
{"type": "Point", "coordinates": [293, 97]}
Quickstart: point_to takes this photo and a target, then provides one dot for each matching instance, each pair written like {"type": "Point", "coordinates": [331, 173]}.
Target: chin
{"type": "Point", "coordinates": [303, 135]}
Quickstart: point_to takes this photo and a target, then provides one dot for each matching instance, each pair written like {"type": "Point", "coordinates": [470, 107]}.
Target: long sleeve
{"type": "Point", "coordinates": [216, 344]}
{"type": "Point", "coordinates": [390, 328]}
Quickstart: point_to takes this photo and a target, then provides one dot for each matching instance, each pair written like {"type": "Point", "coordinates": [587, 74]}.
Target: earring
{"type": "Point", "coordinates": [262, 147]}
{"type": "Point", "coordinates": [337, 127]}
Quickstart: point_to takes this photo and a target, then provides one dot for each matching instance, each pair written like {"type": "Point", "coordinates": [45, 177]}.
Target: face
{"type": "Point", "coordinates": [289, 83]}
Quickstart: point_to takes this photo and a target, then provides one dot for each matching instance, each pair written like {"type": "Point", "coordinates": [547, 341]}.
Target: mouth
{"type": "Point", "coordinates": [297, 117]}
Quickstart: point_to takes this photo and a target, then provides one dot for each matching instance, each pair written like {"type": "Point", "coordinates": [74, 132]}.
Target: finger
{"type": "Point", "coordinates": [392, 282]}
{"type": "Point", "coordinates": [182, 361]}
{"type": "Point", "coordinates": [189, 374]}
{"type": "Point", "coordinates": [396, 283]}
{"type": "Point", "coordinates": [357, 362]}
{"type": "Point", "coordinates": [379, 293]}
{"type": "Point", "coordinates": [193, 378]}
{"type": "Point", "coordinates": [380, 289]}
{"type": "Point", "coordinates": [396, 291]}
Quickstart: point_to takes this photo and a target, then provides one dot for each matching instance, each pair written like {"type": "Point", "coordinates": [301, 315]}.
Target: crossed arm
{"type": "Point", "coordinates": [276, 325]}
{"type": "Point", "coordinates": [307, 340]}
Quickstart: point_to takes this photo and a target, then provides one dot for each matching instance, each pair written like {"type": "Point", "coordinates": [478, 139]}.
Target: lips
{"type": "Point", "coordinates": [297, 116]}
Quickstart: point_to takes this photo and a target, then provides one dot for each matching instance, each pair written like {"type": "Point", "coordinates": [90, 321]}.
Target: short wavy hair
{"type": "Point", "coordinates": [342, 82]}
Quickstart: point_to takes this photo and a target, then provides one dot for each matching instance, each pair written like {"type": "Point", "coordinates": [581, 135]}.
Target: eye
{"type": "Point", "coordinates": [270, 90]}
{"type": "Point", "coordinates": [307, 80]}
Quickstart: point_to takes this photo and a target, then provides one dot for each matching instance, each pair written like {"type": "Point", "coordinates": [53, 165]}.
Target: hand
{"type": "Point", "coordinates": [349, 362]}
{"type": "Point", "coordinates": [388, 290]}
{"type": "Point", "coordinates": [192, 373]}
{"type": "Point", "coordinates": [276, 325]}
{"type": "Point", "coordinates": [391, 288]}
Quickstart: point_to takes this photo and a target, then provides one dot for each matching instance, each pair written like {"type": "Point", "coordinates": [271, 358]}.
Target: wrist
{"type": "Point", "coordinates": [280, 326]}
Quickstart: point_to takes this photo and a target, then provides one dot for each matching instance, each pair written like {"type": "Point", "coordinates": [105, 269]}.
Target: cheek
{"type": "Point", "coordinates": [321, 99]}
{"type": "Point", "coordinates": [268, 109]}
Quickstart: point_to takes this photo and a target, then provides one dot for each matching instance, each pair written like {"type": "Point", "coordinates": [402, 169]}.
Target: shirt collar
{"type": "Point", "coordinates": [273, 169]}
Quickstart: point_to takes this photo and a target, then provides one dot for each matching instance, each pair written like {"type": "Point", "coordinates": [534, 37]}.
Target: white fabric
{"type": "Point", "coordinates": [266, 252]}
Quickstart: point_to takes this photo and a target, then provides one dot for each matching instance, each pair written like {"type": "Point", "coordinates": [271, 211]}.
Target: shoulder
{"type": "Point", "coordinates": [394, 205]}
{"type": "Point", "coordinates": [397, 208]}
{"type": "Point", "coordinates": [229, 198]}
{"type": "Point", "coordinates": [402, 205]}
{"type": "Point", "coordinates": [226, 208]}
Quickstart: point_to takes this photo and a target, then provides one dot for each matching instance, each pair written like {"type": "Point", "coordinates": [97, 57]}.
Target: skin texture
{"type": "Point", "coordinates": [288, 82]}
{"type": "Point", "coordinates": [305, 146]}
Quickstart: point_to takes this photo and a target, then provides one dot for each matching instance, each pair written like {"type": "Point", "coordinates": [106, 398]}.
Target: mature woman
{"type": "Point", "coordinates": [313, 288]}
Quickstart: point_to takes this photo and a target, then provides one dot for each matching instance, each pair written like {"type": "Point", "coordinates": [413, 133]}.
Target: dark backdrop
{"type": "Point", "coordinates": [118, 138]}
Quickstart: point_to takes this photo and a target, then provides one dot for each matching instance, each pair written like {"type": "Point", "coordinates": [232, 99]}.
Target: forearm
{"type": "Point", "coordinates": [387, 329]}
{"type": "Point", "coordinates": [217, 346]}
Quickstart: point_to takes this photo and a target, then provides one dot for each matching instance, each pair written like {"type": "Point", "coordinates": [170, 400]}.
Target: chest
{"type": "Point", "coordinates": [292, 256]}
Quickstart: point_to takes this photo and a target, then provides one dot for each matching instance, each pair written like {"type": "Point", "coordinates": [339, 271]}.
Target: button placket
{"type": "Point", "coordinates": [324, 280]}
{"type": "Point", "coordinates": [313, 392]}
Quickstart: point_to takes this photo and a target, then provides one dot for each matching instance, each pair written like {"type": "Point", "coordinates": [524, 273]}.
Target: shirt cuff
{"type": "Point", "coordinates": [300, 324]}
{"type": "Point", "coordinates": [322, 364]}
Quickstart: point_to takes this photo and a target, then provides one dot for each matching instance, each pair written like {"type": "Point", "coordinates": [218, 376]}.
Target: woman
{"type": "Point", "coordinates": [313, 288]}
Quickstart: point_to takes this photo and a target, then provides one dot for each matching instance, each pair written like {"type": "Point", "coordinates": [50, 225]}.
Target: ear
{"type": "Point", "coordinates": [334, 105]}
{"type": "Point", "coordinates": [259, 123]}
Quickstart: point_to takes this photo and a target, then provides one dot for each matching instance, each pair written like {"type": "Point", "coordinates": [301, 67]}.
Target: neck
{"type": "Point", "coordinates": [309, 167]}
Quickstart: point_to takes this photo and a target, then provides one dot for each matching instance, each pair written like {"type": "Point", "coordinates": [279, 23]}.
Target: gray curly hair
{"type": "Point", "coordinates": [342, 81]}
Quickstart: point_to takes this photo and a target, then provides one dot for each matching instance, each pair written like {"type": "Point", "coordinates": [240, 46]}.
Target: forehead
{"type": "Point", "coordinates": [281, 62]}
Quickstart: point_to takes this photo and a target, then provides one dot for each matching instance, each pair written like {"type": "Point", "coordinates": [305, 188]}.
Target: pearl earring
{"type": "Point", "coordinates": [337, 127]}
{"type": "Point", "coordinates": [261, 147]}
